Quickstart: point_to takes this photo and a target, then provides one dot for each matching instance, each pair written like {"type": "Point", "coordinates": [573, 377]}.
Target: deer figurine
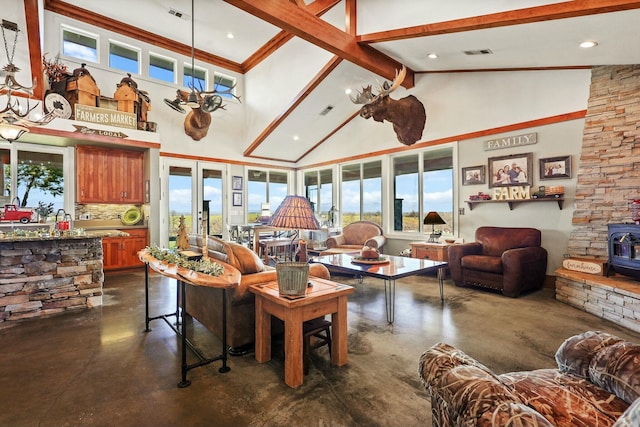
{"type": "Point", "coordinates": [407, 114]}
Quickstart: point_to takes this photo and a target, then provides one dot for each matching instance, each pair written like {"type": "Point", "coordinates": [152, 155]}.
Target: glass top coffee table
{"type": "Point", "coordinates": [388, 269]}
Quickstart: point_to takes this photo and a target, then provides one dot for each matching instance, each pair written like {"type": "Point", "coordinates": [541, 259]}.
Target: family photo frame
{"type": "Point", "coordinates": [473, 175]}
{"type": "Point", "coordinates": [512, 170]}
{"type": "Point", "coordinates": [555, 167]}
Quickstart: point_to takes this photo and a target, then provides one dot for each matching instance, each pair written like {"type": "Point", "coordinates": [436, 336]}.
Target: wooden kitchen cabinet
{"type": "Point", "coordinates": [107, 175]}
{"type": "Point", "coordinates": [122, 252]}
{"type": "Point", "coordinates": [432, 251]}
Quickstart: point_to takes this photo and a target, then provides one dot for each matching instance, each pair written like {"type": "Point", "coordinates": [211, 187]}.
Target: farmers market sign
{"type": "Point", "coordinates": [107, 117]}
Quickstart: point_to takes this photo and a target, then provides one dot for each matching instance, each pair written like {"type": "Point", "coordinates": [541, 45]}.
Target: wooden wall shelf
{"type": "Point", "coordinates": [511, 203]}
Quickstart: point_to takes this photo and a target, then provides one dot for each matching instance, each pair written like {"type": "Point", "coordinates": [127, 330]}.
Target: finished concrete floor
{"type": "Point", "coordinates": [98, 367]}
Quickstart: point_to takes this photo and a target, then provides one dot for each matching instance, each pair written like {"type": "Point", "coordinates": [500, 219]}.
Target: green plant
{"type": "Point", "coordinates": [205, 266]}
{"type": "Point", "coordinates": [44, 209]}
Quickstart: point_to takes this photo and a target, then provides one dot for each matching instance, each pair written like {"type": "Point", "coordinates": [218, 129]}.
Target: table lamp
{"type": "Point", "coordinates": [295, 213]}
{"type": "Point", "coordinates": [432, 219]}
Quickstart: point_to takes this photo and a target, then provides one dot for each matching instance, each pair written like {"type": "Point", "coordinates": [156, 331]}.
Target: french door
{"type": "Point", "coordinates": [193, 195]}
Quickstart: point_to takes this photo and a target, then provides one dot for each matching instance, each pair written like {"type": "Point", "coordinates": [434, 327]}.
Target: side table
{"type": "Point", "coordinates": [431, 251]}
{"type": "Point", "coordinates": [322, 297]}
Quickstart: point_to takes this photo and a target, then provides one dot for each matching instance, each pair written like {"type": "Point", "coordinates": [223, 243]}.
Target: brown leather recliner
{"type": "Point", "coordinates": [205, 304]}
{"type": "Point", "coordinates": [508, 259]}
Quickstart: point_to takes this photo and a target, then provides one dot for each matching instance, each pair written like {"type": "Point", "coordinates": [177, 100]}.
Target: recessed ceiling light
{"type": "Point", "coordinates": [348, 91]}
{"type": "Point", "coordinates": [229, 35]}
{"type": "Point", "coordinates": [432, 56]}
{"type": "Point", "coordinates": [296, 137]}
{"type": "Point", "coordinates": [588, 44]}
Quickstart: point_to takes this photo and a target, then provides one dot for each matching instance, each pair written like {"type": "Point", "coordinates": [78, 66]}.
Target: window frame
{"type": "Point", "coordinates": [128, 47]}
{"type": "Point", "coordinates": [83, 33]}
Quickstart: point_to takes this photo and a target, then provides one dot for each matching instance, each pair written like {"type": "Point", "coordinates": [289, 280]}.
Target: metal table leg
{"type": "Point", "coordinates": [441, 274]}
{"type": "Point", "coordinates": [184, 382]}
{"type": "Point", "coordinates": [390, 298]}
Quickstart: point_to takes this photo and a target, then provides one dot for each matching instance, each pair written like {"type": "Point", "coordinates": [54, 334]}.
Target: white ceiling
{"type": "Point", "coordinates": [546, 44]}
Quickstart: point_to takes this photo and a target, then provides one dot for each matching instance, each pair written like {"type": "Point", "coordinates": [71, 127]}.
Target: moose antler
{"type": "Point", "coordinates": [366, 96]}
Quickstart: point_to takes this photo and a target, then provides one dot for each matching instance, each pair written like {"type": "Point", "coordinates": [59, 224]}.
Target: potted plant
{"type": "Point", "coordinates": [44, 210]}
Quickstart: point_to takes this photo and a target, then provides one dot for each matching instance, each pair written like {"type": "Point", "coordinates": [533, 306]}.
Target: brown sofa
{"type": "Point", "coordinates": [205, 304]}
{"type": "Point", "coordinates": [356, 235]}
{"type": "Point", "coordinates": [507, 259]}
{"type": "Point", "coordinates": [597, 384]}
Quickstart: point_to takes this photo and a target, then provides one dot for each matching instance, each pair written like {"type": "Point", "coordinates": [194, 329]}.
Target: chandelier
{"type": "Point", "coordinates": [14, 120]}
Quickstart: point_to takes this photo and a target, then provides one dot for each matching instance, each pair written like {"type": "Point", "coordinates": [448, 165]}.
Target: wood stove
{"type": "Point", "coordinates": [624, 250]}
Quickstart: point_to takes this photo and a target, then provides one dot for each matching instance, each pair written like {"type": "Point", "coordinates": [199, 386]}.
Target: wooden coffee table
{"type": "Point", "coordinates": [396, 268]}
{"type": "Point", "coordinates": [323, 297]}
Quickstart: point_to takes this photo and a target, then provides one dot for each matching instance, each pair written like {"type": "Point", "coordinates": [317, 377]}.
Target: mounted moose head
{"type": "Point", "coordinates": [407, 114]}
{"type": "Point", "coordinates": [202, 104]}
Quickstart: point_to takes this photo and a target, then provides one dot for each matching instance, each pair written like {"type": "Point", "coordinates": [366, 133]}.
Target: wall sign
{"type": "Point", "coordinates": [511, 141]}
{"type": "Point", "coordinates": [89, 131]}
{"type": "Point", "coordinates": [107, 117]}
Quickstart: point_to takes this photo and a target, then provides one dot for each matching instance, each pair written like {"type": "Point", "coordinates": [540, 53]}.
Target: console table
{"type": "Point", "coordinates": [183, 276]}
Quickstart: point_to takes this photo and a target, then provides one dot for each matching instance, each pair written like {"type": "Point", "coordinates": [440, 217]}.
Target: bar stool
{"type": "Point", "coordinates": [321, 330]}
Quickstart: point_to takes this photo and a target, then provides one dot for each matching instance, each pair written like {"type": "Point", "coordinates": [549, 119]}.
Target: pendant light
{"type": "Point", "coordinates": [192, 100]}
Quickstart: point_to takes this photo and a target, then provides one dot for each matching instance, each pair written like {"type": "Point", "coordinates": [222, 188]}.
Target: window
{"type": "Point", "coordinates": [224, 85]}
{"type": "Point", "coordinates": [199, 78]}
{"type": "Point", "coordinates": [180, 200]}
{"type": "Point", "coordinates": [437, 186]}
{"type": "Point", "coordinates": [422, 183]}
{"type": "Point", "coordinates": [162, 68]}
{"type": "Point", "coordinates": [212, 200]}
{"type": "Point", "coordinates": [361, 196]}
{"type": "Point", "coordinates": [318, 188]}
{"type": "Point", "coordinates": [124, 58]}
{"type": "Point", "coordinates": [79, 44]}
{"type": "Point", "coordinates": [265, 187]}
{"type": "Point", "coordinates": [406, 213]}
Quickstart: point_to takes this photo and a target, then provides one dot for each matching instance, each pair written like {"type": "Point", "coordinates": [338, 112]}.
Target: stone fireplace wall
{"type": "Point", "coordinates": [608, 174]}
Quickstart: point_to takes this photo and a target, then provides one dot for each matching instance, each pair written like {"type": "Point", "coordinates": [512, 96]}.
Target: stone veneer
{"type": "Point", "coordinates": [608, 176]}
{"type": "Point", "coordinates": [613, 298]}
{"type": "Point", "coordinates": [50, 275]}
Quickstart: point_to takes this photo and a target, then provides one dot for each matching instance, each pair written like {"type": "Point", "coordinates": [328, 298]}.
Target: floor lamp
{"type": "Point", "coordinates": [432, 219]}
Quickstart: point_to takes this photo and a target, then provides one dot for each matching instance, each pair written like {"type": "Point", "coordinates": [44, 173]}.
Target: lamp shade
{"type": "Point", "coordinates": [433, 218]}
{"type": "Point", "coordinates": [12, 132]}
{"type": "Point", "coordinates": [295, 213]}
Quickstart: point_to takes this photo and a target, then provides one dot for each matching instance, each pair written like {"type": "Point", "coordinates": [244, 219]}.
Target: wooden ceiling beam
{"type": "Point", "coordinates": [564, 10]}
{"type": "Point", "coordinates": [318, 8]}
{"type": "Point", "coordinates": [301, 23]}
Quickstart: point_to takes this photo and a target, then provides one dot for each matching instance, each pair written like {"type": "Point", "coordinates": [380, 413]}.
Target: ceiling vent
{"type": "Point", "coordinates": [179, 14]}
{"type": "Point", "coordinates": [478, 52]}
{"type": "Point", "coordinates": [326, 110]}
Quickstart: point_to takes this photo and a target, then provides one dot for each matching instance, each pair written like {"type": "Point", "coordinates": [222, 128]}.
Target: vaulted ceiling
{"type": "Point", "coordinates": [365, 40]}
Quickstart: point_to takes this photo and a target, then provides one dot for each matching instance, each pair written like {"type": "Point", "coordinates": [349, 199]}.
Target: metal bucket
{"type": "Point", "coordinates": [292, 278]}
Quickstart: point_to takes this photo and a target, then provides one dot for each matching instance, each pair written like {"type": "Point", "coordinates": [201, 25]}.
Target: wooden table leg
{"type": "Point", "coordinates": [263, 332]}
{"type": "Point", "coordinates": [293, 359]}
{"type": "Point", "coordinates": [339, 334]}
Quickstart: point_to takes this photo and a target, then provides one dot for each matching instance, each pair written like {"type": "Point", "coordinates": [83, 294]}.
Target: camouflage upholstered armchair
{"type": "Point", "coordinates": [597, 384]}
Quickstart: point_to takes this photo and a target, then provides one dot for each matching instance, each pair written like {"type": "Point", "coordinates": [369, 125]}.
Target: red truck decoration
{"type": "Point", "coordinates": [12, 213]}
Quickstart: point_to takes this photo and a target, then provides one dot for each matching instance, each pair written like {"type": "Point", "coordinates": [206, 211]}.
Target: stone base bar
{"type": "Point", "coordinates": [615, 298]}
{"type": "Point", "coordinates": [42, 276]}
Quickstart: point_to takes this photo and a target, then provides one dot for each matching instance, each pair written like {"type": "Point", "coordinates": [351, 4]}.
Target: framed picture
{"type": "Point", "coordinates": [555, 167]}
{"type": "Point", "coordinates": [237, 199]}
{"type": "Point", "coordinates": [510, 170]}
{"type": "Point", "coordinates": [236, 183]}
{"type": "Point", "coordinates": [473, 175]}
